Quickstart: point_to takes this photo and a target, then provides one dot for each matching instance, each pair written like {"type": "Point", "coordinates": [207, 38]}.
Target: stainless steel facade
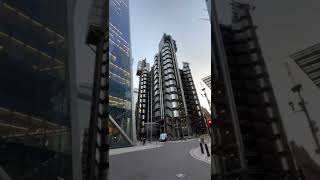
{"type": "Point", "coordinates": [143, 95]}
{"type": "Point", "coordinates": [260, 149]}
{"type": "Point", "coordinates": [162, 98]}
{"type": "Point", "coordinates": [197, 119]}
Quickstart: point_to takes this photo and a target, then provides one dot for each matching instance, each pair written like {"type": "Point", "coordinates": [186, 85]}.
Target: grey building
{"type": "Point", "coordinates": [197, 119]}
{"type": "Point", "coordinates": [142, 106]}
{"type": "Point", "coordinates": [207, 81]}
{"type": "Point", "coordinates": [309, 61]}
{"type": "Point", "coordinates": [252, 142]}
{"type": "Point", "coordinates": [162, 98]}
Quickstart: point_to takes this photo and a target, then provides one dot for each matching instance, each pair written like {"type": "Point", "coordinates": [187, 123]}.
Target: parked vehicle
{"type": "Point", "coordinates": [163, 137]}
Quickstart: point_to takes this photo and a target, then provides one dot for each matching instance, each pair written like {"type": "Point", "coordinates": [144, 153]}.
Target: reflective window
{"type": "Point", "coordinates": [174, 96]}
{"type": "Point", "coordinates": [173, 89]}
{"type": "Point", "coordinates": [35, 128]}
{"type": "Point", "coordinates": [174, 104]}
{"type": "Point", "coordinates": [176, 113]}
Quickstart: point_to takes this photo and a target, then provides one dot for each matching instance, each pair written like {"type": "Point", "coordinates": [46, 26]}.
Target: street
{"type": "Point", "coordinates": [169, 162]}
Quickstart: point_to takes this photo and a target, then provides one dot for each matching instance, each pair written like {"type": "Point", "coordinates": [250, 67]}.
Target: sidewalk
{"type": "Point", "coordinates": [137, 147]}
{"type": "Point", "coordinates": [196, 153]}
{"type": "Point", "coordinates": [179, 141]}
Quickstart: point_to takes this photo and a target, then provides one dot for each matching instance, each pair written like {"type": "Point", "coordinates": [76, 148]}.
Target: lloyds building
{"type": "Point", "coordinates": [167, 95]}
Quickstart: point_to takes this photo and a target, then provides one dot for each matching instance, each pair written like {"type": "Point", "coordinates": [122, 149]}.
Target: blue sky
{"type": "Point", "coordinates": [181, 19]}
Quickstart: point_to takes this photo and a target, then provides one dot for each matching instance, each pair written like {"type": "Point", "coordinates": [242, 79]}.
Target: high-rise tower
{"type": "Point", "coordinates": [120, 80]}
{"type": "Point", "coordinates": [253, 143]}
{"type": "Point", "coordinates": [167, 95]}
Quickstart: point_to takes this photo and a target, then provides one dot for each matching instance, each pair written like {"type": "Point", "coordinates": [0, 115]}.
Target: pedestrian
{"type": "Point", "coordinates": [144, 140]}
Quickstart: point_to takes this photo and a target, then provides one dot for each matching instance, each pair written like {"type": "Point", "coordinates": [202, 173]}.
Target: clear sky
{"type": "Point", "coordinates": [181, 19]}
{"type": "Point", "coordinates": [285, 27]}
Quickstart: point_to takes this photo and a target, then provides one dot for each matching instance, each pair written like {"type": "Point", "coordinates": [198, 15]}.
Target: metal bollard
{"type": "Point", "coordinates": [207, 149]}
{"type": "Point", "coordinates": [201, 148]}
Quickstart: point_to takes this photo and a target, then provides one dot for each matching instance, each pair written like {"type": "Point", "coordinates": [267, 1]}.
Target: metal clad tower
{"type": "Point", "coordinates": [265, 147]}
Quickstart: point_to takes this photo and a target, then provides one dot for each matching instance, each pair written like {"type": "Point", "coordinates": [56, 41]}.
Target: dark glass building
{"type": "Point", "coordinates": [36, 91]}
{"type": "Point", "coordinates": [120, 83]}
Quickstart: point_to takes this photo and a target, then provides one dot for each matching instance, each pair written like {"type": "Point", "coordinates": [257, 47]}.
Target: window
{"type": "Point", "coordinates": [174, 105]}
{"type": "Point", "coordinates": [275, 129]}
{"type": "Point", "coordinates": [175, 113]}
{"type": "Point", "coordinates": [167, 58]}
{"type": "Point", "coordinates": [270, 112]}
{"type": "Point", "coordinates": [173, 89]}
{"type": "Point", "coordinates": [174, 96]}
{"type": "Point", "coordinates": [266, 97]}
{"type": "Point", "coordinates": [168, 66]}
{"type": "Point", "coordinates": [262, 82]}
{"type": "Point", "coordinates": [157, 114]}
{"type": "Point", "coordinates": [156, 99]}
{"type": "Point", "coordinates": [254, 57]}
{"type": "Point", "coordinates": [157, 105]}
{"type": "Point", "coordinates": [172, 82]}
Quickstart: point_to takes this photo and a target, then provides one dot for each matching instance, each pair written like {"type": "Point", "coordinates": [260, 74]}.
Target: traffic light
{"type": "Point", "coordinates": [209, 122]}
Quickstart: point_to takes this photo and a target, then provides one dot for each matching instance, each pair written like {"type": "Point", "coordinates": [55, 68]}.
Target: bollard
{"type": "Point", "coordinates": [201, 148]}
{"type": "Point", "coordinates": [207, 149]}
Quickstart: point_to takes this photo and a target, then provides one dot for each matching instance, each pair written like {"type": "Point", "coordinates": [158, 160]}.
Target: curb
{"type": "Point", "coordinates": [193, 153]}
{"type": "Point", "coordinates": [118, 151]}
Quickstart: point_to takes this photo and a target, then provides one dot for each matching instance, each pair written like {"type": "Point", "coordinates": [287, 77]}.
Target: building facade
{"type": "Point", "coordinates": [120, 67]}
{"type": "Point", "coordinates": [197, 119]}
{"type": "Point", "coordinates": [142, 116]}
{"type": "Point", "coordinates": [38, 124]}
{"type": "Point", "coordinates": [260, 150]}
{"type": "Point", "coordinates": [309, 61]}
{"type": "Point", "coordinates": [207, 81]}
{"type": "Point", "coordinates": [163, 102]}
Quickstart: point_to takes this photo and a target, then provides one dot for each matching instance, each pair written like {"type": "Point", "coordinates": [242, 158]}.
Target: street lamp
{"type": "Point", "coordinates": [205, 95]}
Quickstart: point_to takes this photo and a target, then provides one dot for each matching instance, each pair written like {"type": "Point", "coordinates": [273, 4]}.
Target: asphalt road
{"type": "Point", "coordinates": [163, 163]}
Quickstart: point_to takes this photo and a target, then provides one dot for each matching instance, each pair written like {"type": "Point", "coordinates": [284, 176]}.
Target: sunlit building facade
{"type": "Point", "coordinates": [37, 122]}
{"type": "Point", "coordinates": [120, 82]}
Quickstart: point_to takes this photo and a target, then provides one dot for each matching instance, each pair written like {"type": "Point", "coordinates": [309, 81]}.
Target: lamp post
{"type": "Point", "coordinates": [205, 95]}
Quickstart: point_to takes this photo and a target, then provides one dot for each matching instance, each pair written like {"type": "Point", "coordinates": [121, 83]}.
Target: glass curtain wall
{"type": "Point", "coordinates": [120, 107]}
{"type": "Point", "coordinates": [34, 105]}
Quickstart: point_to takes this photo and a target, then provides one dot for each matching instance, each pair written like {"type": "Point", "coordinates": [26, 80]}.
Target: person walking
{"type": "Point", "coordinates": [203, 142]}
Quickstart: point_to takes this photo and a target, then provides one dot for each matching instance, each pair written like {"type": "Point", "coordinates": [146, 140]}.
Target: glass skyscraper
{"type": "Point", "coordinates": [120, 82]}
{"type": "Point", "coordinates": [36, 116]}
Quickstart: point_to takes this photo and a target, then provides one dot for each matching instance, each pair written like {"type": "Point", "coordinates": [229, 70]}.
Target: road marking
{"type": "Point", "coordinates": [180, 175]}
